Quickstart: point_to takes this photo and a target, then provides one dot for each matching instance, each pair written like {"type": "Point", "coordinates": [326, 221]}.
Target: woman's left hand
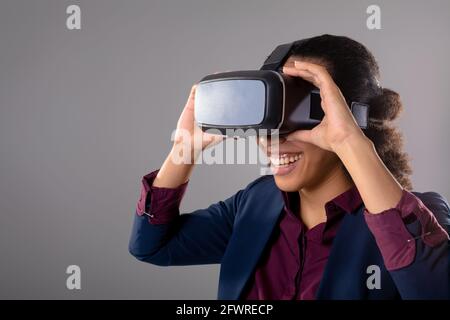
{"type": "Point", "coordinates": [338, 124]}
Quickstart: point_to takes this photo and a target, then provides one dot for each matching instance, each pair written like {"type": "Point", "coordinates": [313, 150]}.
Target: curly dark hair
{"type": "Point", "coordinates": [356, 73]}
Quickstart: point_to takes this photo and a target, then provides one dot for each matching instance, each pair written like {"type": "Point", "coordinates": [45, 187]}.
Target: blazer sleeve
{"type": "Point", "coordinates": [199, 237]}
{"type": "Point", "coordinates": [427, 277]}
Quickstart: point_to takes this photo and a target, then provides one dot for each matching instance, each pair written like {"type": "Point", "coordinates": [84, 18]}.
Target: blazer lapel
{"type": "Point", "coordinates": [252, 229]}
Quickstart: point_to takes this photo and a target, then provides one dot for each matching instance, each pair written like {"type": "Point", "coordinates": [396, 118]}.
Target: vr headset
{"type": "Point", "coordinates": [262, 99]}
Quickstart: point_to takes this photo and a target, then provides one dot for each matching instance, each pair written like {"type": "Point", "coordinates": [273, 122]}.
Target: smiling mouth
{"type": "Point", "coordinates": [285, 160]}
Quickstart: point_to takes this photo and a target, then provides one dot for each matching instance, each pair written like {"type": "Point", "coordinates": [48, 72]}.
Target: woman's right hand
{"type": "Point", "coordinates": [189, 141]}
{"type": "Point", "coordinates": [188, 134]}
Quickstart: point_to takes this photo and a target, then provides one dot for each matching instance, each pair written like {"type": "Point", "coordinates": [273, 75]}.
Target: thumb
{"type": "Point", "coordinates": [191, 99]}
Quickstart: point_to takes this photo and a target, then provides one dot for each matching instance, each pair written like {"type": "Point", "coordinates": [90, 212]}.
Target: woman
{"type": "Point", "coordinates": [337, 220]}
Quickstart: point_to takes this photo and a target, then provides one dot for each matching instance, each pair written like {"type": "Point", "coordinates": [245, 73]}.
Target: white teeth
{"type": "Point", "coordinates": [285, 159]}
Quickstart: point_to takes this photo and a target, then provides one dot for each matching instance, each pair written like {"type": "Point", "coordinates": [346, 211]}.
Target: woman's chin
{"type": "Point", "coordinates": [287, 185]}
{"type": "Point", "coordinates": [288, 182]}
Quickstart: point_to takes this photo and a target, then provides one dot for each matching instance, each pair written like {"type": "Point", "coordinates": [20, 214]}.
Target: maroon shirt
{"type": "Point", "coordinates": [293, 264]}
{"type": "Point", "coordinates": [293, 261]}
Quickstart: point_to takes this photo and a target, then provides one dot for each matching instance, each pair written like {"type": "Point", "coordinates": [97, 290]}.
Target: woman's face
{"type": "Point", "coordinates": [300, 164]}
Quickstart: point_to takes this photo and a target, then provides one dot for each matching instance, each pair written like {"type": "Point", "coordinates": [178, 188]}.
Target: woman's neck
{"type": "Point", "coordinates": [313, 199]}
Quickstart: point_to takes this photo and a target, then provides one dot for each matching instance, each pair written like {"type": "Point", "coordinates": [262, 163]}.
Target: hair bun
{"type": "Point", "coordinates": [386, 106]}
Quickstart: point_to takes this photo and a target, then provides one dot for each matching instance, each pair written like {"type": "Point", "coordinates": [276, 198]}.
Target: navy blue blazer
{"type": "Point", "coordinates": [234, 233]}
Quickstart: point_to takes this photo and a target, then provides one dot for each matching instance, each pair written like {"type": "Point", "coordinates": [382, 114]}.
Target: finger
{"type": "Point", "coordinates": [320, 77]}
{"type": "Point", "coordinates": [321, 73]}
{"type": "Point", "coordinates": [308, 76]}
{"type": "Point", "coordinates": [318, 71]}
{"type": "Point", "coordinates": [314, 68]}
{"type": "Point", "coordinates": [191, 99]}
{"type": "Point", "coordinates": [192, 93]}
{"type": "Point", "coordinates": [300, 135]}
{"type": "Point", "coordinates": [305, 74]}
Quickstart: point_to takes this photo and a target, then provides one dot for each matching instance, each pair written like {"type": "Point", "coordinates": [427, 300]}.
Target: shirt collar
{"type": "Point", "coordinates": [336, 208]}
{"type": "Point", "coordinates": [348, 201]}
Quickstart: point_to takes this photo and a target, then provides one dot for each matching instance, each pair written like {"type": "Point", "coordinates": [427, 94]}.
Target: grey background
{"type": "Point", "coordinates": [84, 114]}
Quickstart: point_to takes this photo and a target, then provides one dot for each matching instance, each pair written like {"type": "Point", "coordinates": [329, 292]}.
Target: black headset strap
{"type": "Point", "coordinates": [277, 58]}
